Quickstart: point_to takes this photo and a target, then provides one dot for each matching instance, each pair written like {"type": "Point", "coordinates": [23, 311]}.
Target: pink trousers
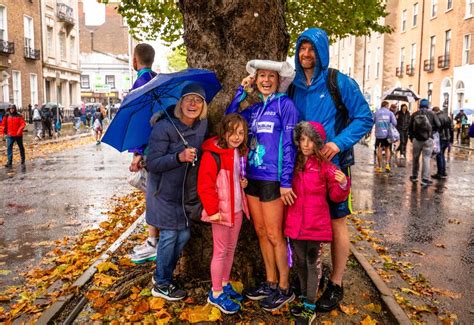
{"type": "Point", "coordinates": [225, 240]}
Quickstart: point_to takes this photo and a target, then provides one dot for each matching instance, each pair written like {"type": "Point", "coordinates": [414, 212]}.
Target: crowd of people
{"type": "Point", "coordinates": [283, 162]}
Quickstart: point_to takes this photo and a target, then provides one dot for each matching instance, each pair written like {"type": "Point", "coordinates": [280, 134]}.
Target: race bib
{"type": "Point", "coordinates": [265, 127]}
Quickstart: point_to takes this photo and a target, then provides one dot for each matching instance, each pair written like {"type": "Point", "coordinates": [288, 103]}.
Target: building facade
{"type": "Point", "coordinates": [60, 36]}
{"type": "Point", "coordinates": [429, 51]}
{"type": "Point", "coordinates": [20, 52]}
{"type": "Point", "coordinates": [105, 48]}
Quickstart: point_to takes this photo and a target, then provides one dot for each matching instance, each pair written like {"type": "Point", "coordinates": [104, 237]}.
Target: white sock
{"type": "Point", "coordinates": [216, 294]}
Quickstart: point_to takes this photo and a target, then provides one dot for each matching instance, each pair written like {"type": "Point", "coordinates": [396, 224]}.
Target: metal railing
{"type": "Point", "coordinates": [410, 70]}
{"type": "Point", "coordinates": [32, 53]}
{"type": "Point", "coordinates": [399, 72]}
{"type": "Point", "coordinates": [443, 61]}
{"type": "Point", "coordinates": [428, 65]}
{"type": "Point", "coordinates": [7, 47]}
{"type": "Point", "coordinates": [65, 13]}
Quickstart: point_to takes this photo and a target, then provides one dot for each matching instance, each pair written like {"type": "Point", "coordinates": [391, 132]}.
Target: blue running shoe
{"type": "Point", "coordinates": [229, 290]}
{"type": "Point", "coordinates": [277, 300]}
{"type": "Point", "coordinates": [224, 303]}
{"type": "Point", "coordinates": [259, 293]}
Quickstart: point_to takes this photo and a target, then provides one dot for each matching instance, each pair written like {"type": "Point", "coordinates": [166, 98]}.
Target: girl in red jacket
{"type": "Point", "coordinates": [308, 222]}
{"type": "Point", "coordinates": [221, 181]}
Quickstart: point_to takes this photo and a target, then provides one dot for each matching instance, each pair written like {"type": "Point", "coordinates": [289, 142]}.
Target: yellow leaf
{"type": "Point", "coordinates": [327, 322]}
{"type": "Point", "coordinates": [348, 310]}
{"type": "Point", "coordinates": [105, 266]}
{"type": "Point", "coordinates": [447, 293]}
{"type": "Point", "coordinates": [96, 316]}
{"type": "Point", "coordinates": [376, 308]}
{"type": "Point", "coordinates": [197, 314]}
{"type": "Point", "coordinates": [237, 285]}
{"type": "Point", "coordinates": [368, 321]}
{"type": "Point", "coordinates": [334, 313]}
{"type": "Point", "coordinates": [440, 246]}
{"type": "Point", "coordinates": [418, 252]}
{"type": "Point", "coordinates": [156, 303]}
{"type": "Point", "coordinates": [5, 272]}
{"type": "Point", "coordinates": [413, 292]}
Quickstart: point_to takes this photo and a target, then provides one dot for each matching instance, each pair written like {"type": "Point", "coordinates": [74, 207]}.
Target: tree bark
{"type": "Point", "coordinates": [222, 36]}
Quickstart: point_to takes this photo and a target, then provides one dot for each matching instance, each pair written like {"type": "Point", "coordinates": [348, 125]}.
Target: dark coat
{"type": "Point", "coordinates": [165, 207]}
{"type": "Point", "coordinates": [403, 120]}
{"type": "Point", "coordinates": [446, 126]}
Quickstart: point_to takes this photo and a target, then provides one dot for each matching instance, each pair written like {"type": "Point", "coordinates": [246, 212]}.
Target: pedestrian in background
{"type": "Point", "coordinates": [403, 121]}
{"type": "Point", "coordinates": [37, 122]}
{"type": "Point", "coordinates": [422, 125]}
{"type": "Point", "coordinates": [383, 119]}
{"type": "Point", "coordinates": [77, 118]}
{"type": "Point", "coordinates": [97, 125]}
{"type": "Point", "coordinates": [13, 125]}
{"type": "Point", "coordinates": [444, 138]}
{"type": "Point", "coordinates": [46, 117]}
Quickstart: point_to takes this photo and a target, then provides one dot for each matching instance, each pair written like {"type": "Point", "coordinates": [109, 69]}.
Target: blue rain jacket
{"type": "Point", "coordinates": [314, 102]}
{"type": "Point", "coordinates": [272, 123]}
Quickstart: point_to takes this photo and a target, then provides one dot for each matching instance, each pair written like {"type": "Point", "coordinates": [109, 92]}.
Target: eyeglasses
{"type": "Point", "coordinates": [195, 100]}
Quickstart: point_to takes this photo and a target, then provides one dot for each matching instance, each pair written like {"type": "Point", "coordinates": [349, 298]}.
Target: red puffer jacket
{"type": "Point", "coordinates": [215, 188]}
{"type": "Point", "coordinates": [308, 218]}
{"type": "Point", "coordinates": [13, 125]}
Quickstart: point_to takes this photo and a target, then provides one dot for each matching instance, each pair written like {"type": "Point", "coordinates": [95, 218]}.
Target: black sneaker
{"type": "Point", "coordinates": [426, 182]}
{"type": "Point", "coordinates": [331, 297]}
{"type": "Point", "coordinates": [261, 292]}
{"type": "Point", "coordinates": [8, 165]}
{"type": "Point", "coordinates": [443, 176]}
{"type": "Point", "coordinates": [168, 292]}
{"type": "Point", "coordinates": [413, 179]}
{"type": "Point", "coordinates": [436, 176]}
{"type": "Point", "coordinates": [277, 300]}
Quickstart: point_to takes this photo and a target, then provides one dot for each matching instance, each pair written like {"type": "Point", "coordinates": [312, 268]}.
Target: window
{"type": "Point", "coordinates": [404, 20]}
{"type": "Point", "coordinates": [367, 69]}
{"type": "Point", "coordinates": [3, 24]}
{"type": "Point", "coordinates": [447, 42]}
{"type": "Point", "coordinates": [377, 63]}
{"type": "Point", "coordinates": [432, 47]}
{"type": "Point", "coordinates": [434, 8]}
{"type": "Point", "coordinates": [49, 40]}
{"type": "Point", "coordinates": [5, 89]}
{"type": "Point", "coordinates": [85, 81]}
{"type": "Point", "coordinates": [29, 32]}
{"type": "Point", "coordinates": [34, 88]}
{"type": "Point", "coordinates": [402, 57]}
{"type": "Point", "coordinates": [110, 80]}
{"type": "Point", "coordinates": [72, 49]}
{"type": "Point", "coordinates": [16, 79]}
{"type": "Point", "coordinates": [413, 55]}
{"type": "Point", "coordinates": [62, 45]}
{"type": "Point", "coordinates": [415, 14]}
{"type": "Point", "coordinates": [430, 91]}
{"type": "Point", "coordinates": [449, 5]}
{"type": "Point", "coordinates": [466, 49]}
{"type": "Point", "coordinates": [469, 8]}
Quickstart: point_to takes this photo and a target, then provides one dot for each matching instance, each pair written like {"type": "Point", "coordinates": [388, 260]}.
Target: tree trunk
{"type": "Point", "coordinates": [222, 36]}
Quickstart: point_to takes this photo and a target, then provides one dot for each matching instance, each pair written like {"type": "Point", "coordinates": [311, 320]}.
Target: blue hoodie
{"type": "Point", "coordinates": [314, 102]}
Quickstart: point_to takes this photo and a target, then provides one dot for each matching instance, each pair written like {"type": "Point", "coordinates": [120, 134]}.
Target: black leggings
{"type": "Point", "coordinates": [308, 265]}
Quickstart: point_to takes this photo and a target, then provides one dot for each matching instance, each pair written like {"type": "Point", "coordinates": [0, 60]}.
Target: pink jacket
{"type": "Point", "coordinates": [308, 218]}
{"type": "Point", "coordinates": [215, 188]}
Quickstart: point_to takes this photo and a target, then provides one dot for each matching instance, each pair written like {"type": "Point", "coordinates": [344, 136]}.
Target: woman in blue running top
{"type": "Point", "coordinates": [270, 165]}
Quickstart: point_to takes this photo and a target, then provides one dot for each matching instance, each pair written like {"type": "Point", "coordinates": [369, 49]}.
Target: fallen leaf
{"type": "Point", "coordinates": [126, 261]}
{"type": "Point", "coordinates": [4, 298]}
{"type": "Point", "coordinates": [196, 314]}
{"type": "Point", "coordinates": [440, 245]}
{"type": "Point", "coordinates": [2, 221]}
{"type": "Point", "coordinates": [156, 303]}
{"type": "Point", "coordinates": [418, 252]}
{"type": "Point", "coordinates": [334, 313]}
{"type": "Point", "coordinates": [5, 272]}
{"type": "Point", "coordinates": [368, 321]}
{"type": "Point", "coordinates": [146, 292]}
{"type": "Point", "coordinates": [413, 292]}
{"type": "Point", "coordinates": [349, 309]}
{"type": "Point", "coordinates": [327, 322]}
{"type": "Point", "coordinates": [447, 293]}
{"type": "Point", "coordinates": [96, 316]}
{"type": "Point", "coordinates": [454, 220]}
{"type": "Point", "coordinates": [142, 306]}
{"type": "Point", "coordinates": [237, 285]}
{"type": "Point", "coordinates": [375, 308]}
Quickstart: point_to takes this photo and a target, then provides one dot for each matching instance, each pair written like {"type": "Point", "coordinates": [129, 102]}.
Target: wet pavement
{"type": "Point", "coordinates": [55, 197]}
{"type": "Point", "coordinates": [437, 221]}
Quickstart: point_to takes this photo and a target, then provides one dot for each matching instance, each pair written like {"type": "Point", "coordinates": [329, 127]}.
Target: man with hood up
{"type": "Point", "coordinates": [314, 102]}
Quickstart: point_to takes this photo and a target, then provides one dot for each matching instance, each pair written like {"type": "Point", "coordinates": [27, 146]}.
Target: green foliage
{"type": "Point", "coordinates": [177, 59]}
{"type": "Point", "coordinates": [150, 19]}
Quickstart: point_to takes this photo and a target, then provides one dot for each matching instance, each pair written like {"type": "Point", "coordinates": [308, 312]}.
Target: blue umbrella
{"type": "Point", "coordinates": [131, 128]}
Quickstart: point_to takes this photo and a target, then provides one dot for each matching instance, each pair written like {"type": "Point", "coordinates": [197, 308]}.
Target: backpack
{"type": "Point", "coordinates": [421, 126]}
{"type": "Point", "coordinates": [46, 114]}
{"type": "Point", "coordinates": [346, 158]}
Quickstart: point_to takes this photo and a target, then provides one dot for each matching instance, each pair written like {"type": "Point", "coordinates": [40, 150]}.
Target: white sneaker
{"type": "Point", "coordinates": [143, 253]}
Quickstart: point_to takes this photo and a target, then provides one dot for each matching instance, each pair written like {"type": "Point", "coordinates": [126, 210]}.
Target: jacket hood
{"type": "Point", "coordinates": [211, 145]}
{"type": "Point", "coordinates": [319, 39]}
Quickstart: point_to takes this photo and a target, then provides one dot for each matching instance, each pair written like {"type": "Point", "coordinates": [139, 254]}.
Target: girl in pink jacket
{"type": "Point", "coordinates": [308, 222]}
{"type": "Point", "coordinates": [221, 181]}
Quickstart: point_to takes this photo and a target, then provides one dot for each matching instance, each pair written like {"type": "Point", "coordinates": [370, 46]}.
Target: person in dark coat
{"type": "Point", "coordinates": [172, 165]}
{"type": "Point", "coordinates": [444, 131]}
{"type": "Point", "coordinates": [403, 121]}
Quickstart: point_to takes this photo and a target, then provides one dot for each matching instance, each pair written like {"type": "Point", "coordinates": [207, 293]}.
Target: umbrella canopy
{"type": "Point", "coordinates": [401, 94]}
{"type": "Point", "coordinates": [4, 105]}
{"type": "Point", "coordinates": [51, 105]}
{"type": "Point", "coordinates": [131, 127]}
{"type": "Point", "coordinates": [467, 111]}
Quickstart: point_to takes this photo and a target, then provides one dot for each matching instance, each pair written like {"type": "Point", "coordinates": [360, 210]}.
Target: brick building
{"type": "Point", "coordinates": [430, 51]}
{"type": "Point", "coordinates": [61, 74]}
{"type": "Point", "coordinates": [20, 52]}
{"type": "Point", "coordinates": [105, 51]}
